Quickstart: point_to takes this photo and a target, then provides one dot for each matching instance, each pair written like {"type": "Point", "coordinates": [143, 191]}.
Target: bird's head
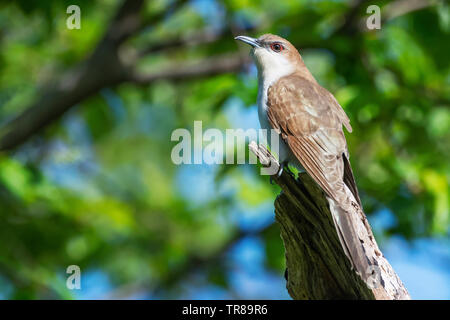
{"type": "Point", "coordinates": [272, 53]}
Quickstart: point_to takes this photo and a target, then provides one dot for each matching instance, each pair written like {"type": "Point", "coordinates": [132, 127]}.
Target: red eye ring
{"type": "Point", "coordinates": [277, 47]}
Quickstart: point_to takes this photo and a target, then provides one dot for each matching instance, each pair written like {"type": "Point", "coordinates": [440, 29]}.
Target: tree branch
{"type": "Point", "coordinates": [204, 68]}
{"type": "Point", "coordinates": [102, 69]}
{"type": "Point", "coordinates": [198, 38]}
{"type": "Point", "coordinates": [105, 67]}
{"type": "Point", "coordinates": [396, 9]}
{"type": "Point", "coordinates": [317, 267]}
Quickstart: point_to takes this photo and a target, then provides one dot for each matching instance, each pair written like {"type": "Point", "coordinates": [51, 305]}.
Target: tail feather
{"type": "Point", "coordinates": [349, 179]}
{"type": "Point", "coordinates": [349, 238]}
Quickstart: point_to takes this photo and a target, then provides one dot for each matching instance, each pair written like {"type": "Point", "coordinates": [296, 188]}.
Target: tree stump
{"type": "Point", "coordinates": [317, 267]}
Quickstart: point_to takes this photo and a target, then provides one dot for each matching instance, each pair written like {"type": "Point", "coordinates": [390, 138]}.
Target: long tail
{"type": "Point", "coordinates": [346, 229]}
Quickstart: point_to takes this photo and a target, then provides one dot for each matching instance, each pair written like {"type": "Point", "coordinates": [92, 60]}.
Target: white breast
{"type": "Point", "coordinates": [266, 77]}
{"type": "Point", "coordinates": [262, 106]}
{"type": "Point", "coordinates": [268, 73]}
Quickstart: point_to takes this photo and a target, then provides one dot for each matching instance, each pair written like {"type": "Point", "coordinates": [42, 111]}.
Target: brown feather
{"type": "Point", "coordinates": [310, 121]}
{"type": "Point", "coordinates": [349, 180]}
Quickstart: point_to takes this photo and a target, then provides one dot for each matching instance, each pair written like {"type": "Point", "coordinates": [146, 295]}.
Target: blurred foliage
{"type": "Point", "coordinates": [98, 189]}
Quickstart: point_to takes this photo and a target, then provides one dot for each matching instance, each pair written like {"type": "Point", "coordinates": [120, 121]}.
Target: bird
{"type": "Point", "coordinates": [309, 124]}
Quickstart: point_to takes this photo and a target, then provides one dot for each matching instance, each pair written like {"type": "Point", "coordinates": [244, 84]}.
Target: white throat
{"type": "Point", "coordinates": [270, 70]}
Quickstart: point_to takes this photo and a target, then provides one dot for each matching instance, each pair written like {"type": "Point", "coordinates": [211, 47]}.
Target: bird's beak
{"type": "Point", "coordinates": [248, 40]}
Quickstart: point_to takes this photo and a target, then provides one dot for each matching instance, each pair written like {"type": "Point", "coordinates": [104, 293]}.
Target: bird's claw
{"type": "Point", "coordinates": [280, 171]}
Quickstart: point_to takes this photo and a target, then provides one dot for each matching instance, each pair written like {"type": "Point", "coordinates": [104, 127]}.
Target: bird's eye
{"type": "Point", "coordinates": [277, 47]}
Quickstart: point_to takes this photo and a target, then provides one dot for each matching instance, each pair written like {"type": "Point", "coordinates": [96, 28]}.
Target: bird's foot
{"type": "Point", "coordinates": [283, 166]}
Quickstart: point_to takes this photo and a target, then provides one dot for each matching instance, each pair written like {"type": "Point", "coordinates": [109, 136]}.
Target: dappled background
{"type": "Point", "coordinates": [86, 118]}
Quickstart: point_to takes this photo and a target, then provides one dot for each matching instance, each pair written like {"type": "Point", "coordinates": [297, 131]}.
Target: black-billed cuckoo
{"type": "Point", "coordinates": [309, 122]}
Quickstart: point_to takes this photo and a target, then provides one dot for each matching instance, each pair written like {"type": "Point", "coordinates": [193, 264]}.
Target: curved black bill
{"type": "Point", "coordinates": [248, 40]}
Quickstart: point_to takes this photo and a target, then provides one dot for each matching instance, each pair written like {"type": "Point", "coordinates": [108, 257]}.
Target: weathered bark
{"type": "Point", "coordinates": [317, 267]}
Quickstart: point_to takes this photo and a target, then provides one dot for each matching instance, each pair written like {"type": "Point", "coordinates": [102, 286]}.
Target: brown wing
{"type": "Point", "coordinates": [310, 121]}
